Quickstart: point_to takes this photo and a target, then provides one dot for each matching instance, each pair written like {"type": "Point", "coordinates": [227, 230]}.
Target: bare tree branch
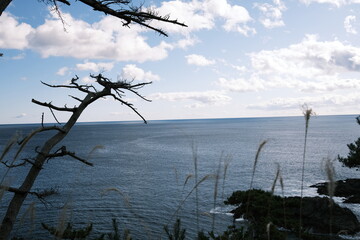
{"type": "Point", "coordinates": [12, 189]}
{"type": "Point", "coordinates": [132, 14]}
{"type": "Point", "coordinates": [78, 99]}
{"type": "Point", "coordinates": [63, 152]}
{"type": "Point", "coordinates": [74, 85]}
{"type": "Point", "coordinates": [13, 165]}
{"type": "Point", "coordinates": [64, 109]}
{"type": "Point", "coordinates": [130, 106]}
{"type": "Point", "coordinates": [54, 116]}
{"type": "Point", "coordinates": [40, 195]}
{"type": "Point", "coordinates": [63, 1]}
{"type": "Point", "coordinates": [3, 5]}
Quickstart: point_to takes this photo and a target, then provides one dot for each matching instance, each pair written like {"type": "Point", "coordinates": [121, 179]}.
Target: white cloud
{"type": "Point", "coordinates": [348, 24]}
{"type": "Point", "coordinates": [271, 14]}
{"type": "Point", "coordinates": [314, 101]}
{"type": "Point", "coordinates": [191, 13]}
{"type": "Point", "coordinates": [337, 3]}
{"type": "Point", "coordinates": [198, 60]}
{"type": "Point", "coordinates": [186, 42]}
{"type": "Point", "coordinates": [62, 71]}
{"type": "Point", "coordinates": [204, 14]}
{"type": "Point", "coordinates": [108, 39]}
{"type": "Point", "coordinates": [22, 115]}
{"type": "Point", "coordinates": [131, 71]}
{"type": "Point", "coordinates": [241, 85]}
{"type": "Point", "coordinates": [100, 40]}
{"type": "Point", "coordinates": [327, 85]}
{"type": "Point", "coordinates": [95, 67]}
{"type": "Point", "coordinates": [310, 59]}
{"type": "Point", "coordinates": [12, 33]}
{"type": "Point", "coordinates": [19, 56]}
{"type": "Point", "coordinates": [235, 16]}
{"type": "Point", "coordinates": [241, 69]}
{"type": "Point", "coordinates": [88, 80]}
{"type": "Point", "coordinates": [204, 98]}
{"type": "Point", "coordinates": [308, 66]}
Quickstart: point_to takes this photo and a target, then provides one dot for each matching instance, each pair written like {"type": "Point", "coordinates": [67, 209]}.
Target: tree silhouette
{"type": "Point", "coordinates": [121, 9]}
{"type": "Point", "coordinates": [353, 158]}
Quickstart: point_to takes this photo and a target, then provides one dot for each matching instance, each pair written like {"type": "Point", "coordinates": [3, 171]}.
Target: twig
{"type": "Point", "coordinates": [63, 152]}
{"type": "Point", "coordinates": [54, 116]}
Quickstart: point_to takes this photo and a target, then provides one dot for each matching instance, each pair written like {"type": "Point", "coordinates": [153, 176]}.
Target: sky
{"type": "Point", "coordinates": [236, 58]}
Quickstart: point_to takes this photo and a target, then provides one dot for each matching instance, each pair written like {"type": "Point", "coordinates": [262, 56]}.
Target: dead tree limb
{"type": "Point", "coordinates": [107, 88]}
{"type": "Point", "coordinates": [49, 105]}
{"type": "Point", "coordinates": [123, 10]}
{"type": "Point", "coordinates": [61, 152]}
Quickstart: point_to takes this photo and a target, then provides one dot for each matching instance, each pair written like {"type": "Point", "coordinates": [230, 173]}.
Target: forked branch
{"type": "Point", "coordinates": [63, 152]}
{"type": "Point", "coordinates": [73, 84]}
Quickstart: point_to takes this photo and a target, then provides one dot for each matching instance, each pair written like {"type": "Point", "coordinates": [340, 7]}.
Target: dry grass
{"type": "Point", "coordinates": [330, 173]}
{"type": "Point", "coordinates": [261, 146]}
{"type": "Point", "coordinates": [307, 112]}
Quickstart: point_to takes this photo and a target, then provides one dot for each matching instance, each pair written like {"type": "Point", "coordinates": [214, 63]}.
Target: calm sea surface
{"type": "Point", "coordinates": [140, 170]}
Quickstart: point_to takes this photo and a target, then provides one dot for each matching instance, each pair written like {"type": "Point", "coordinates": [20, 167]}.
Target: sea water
{"type": "Point", "coordinates": [144, 175]}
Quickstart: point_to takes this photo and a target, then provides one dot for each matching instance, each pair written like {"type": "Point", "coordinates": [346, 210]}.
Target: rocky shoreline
{"type": "Point", "coordinates": [321, 217]}
{"type": "Point", "coordinates": [348, 189]}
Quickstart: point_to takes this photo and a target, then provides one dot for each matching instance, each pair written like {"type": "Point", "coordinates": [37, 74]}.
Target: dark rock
{"type": "Point", "coordinates": [349, 189]}
{"type": "Point", "coordinates": [318, 215]}
{"type": "Point", "coordinates": [353, 199]}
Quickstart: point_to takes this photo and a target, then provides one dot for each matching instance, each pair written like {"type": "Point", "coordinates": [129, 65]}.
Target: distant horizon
{"type": "Point", "coordinates": [178, 119]}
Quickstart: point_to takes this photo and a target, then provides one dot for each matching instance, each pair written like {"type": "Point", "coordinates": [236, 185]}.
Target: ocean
{"type": "Point", "coordinates": [144, 177]}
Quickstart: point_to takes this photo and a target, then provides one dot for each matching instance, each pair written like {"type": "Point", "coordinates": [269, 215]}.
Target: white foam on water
{"type": "Point", "coordinates": [223, 210]}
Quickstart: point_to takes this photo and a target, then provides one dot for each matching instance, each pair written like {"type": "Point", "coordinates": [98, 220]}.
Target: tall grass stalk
{"type": "Point", "coordinates": [268, 230]}
{"type": "Point", "coordinates": [127, 202]}
{"type": "Point", "coordinates": [188, 195]}
{"type": "Point", "coordinates": [195, 158]}
{"type": "Point", "coordinates": [307, 112]}
{"type": "Point", "coordinates": [63, 219]}
{"type": "Point", "coordinates": [14, 139]}
{"type": "Point", "coordinates": [283, 196]}
{"type": "Point", "coordinates": [227, 161]}
{"type": "Point", "coordinates": [262, 144]}
{"type": "Point", "coordinates": [30, 212]}
{"type": "Point", "coordinates": [273, 187]}
{"type": "Point", "coordinates": [276, 179]}
{"type": "Point", "coordinates": [330, 173]}
{"type": "Point", "coordinates": [217, 177]}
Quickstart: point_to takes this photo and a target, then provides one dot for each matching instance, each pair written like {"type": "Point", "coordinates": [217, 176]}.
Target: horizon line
{"type": "Point", "coordinates": [176, 119]}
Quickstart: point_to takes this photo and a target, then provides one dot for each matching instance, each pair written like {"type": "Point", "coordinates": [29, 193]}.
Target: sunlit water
{"type": "Point", "coordinates": [139, 172]}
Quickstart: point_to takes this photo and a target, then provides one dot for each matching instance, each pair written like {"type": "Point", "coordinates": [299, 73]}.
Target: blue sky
{"type": "Point", "coordinates": [237, 58]}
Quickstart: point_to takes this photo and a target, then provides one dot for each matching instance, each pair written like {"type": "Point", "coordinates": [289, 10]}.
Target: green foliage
{"type": "Point", "coordinates": [69, 232]}
{"type": "Point", "coordinates": [82, 234]}
{"type": "Point", "coordinates": [353, 158]}
{"type": "Point", "coordinates": [116, 234]}
{"type": "Point", "coordinates": [232, 233]}
{"type": "Point", "coordinates": [178, 233]}
{"type": "Point", "coordinates": [263, 219]}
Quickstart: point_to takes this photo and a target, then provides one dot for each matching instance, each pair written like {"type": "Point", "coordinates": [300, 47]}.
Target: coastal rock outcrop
{"type": "Point", "coordinates": [319, 215]}
{"type": "Point", "coordinates": [349, 189]}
